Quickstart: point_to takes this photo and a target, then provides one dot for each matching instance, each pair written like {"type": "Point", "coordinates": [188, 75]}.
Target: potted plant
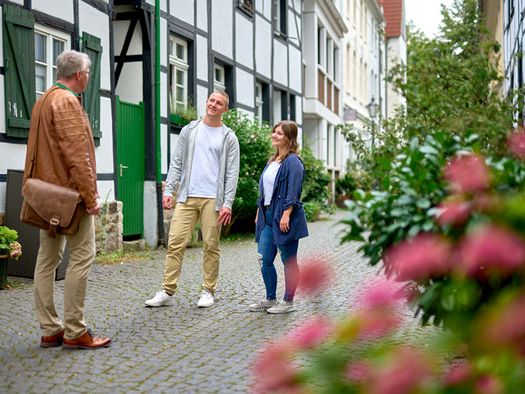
{"type": "Point", "coordinates": [9, 248]}
{"type": "Point", "coordinates": [181, 115]}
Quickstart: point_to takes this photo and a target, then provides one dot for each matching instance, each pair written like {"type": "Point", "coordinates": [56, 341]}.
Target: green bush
{"type": "Point", "coordinates": [345, 185]}
{"type": "Point", "coordinates": [255, 146]}
{"type": "Point", "coordinates": [312, 210]}
{"type": "Point", "coordinates": [316, 179]}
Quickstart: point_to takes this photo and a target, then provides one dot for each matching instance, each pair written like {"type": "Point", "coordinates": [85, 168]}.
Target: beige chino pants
{"type": "Point", "coordinates": [82, 252]}
{"type": "Point", "coordinates": [182, 224]}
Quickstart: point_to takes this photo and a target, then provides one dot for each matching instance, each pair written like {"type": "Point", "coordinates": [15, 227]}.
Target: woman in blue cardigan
{"type": "Point", "coordinates": [280, 221]}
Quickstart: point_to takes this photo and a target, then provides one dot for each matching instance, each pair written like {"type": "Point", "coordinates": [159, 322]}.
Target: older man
{"type": "Point", "coordinates": [66, 157]}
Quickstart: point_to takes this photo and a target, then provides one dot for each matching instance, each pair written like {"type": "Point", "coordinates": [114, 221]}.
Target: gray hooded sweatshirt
{"type": "Point", "coordinates": [179, 173]}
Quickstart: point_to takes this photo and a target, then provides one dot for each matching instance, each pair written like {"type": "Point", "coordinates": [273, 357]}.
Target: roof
{"type": "Point", "coordinates": [393, 11]}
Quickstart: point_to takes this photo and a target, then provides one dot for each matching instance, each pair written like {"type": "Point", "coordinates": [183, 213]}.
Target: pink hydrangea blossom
{"type": "Point", "coordinates": [454, 212]}
{"type": "Point", "coordinates": [315, 276]}
{"type": "Point", "coordinates": [507, 325]}
{"type": "Point", "coordinates": [406, 372]}
{"type": "Point", "coordinates": [381, 292]}
{"type": "Point", "coordinates": [420, 258]}
{"type": "Point", "coordinates": [516, 143]}
{"type": "Point", "coordinates": [358, 371]}
{"type": "Point", "coordinates": [492, 250]}
{"type": "Point", "coordinates": [468, 173]}
{"type": "Point", "coordinates": [311, 333]}
{"type": "Point", "coordinates": [457, 374]}
{"type": "Point", "coordinates": [378, 322]}
{"type": "Point", "coordinates": [488, 384]}
{"type": "Point", "coordinates": [273, 370]}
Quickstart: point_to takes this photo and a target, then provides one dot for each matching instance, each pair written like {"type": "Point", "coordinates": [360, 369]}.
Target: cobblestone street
{"type": "Point", "coordinates": [182, 349]}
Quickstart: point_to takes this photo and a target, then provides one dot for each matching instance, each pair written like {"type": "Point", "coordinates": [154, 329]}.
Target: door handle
{"type": "Point", "coordinates": [122, 168]}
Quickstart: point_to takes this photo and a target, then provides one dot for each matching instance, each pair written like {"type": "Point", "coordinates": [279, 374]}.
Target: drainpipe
{"type": "Point", "coordinates": [158, 167]}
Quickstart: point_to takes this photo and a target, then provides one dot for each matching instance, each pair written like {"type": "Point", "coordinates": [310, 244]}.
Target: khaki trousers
{"type": "Point", "coordinates": [82, 252]}
{"type": "Point", "coordinates": [184, 219]}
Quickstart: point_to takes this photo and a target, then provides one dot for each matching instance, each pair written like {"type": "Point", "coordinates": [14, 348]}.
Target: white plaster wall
{"type": "Point", "coordinates": [106, 191]}
{"type": "Point", "coordinates": [202, 58]}
{"type": "Point", "coordinates": [296, 65]}
{"type": "Point", "coordinates": [2, 106]}
{"type": "Point", "coordinates": [61, 9]}
{"type": "Point", "coordinates": [280, 63]}
{"type": "Point", "coordinates": [202, 95]}
{"type": "Point", "coordinates": [104, 152]}
{"type": "Point", "coordinates": [173, 141]}
{"type": "Point", "coordinates": [202, 14]}
{"type": "Point", "coordinates": [164, 154]}
{"type": "Point", "coordinates": [150, 213]}
{"type": "Point", "coordinates": [265, 8]}
{"type": "Point", "coordinates": [183, 9]}
{"type": "Point", "coordinates": [299, 109]}
{"type": "Point", "coordinates": [94, 22]}
{"type": "Point", "coordinates": [245, 88]}
{"type": "Point", "coordinates": [244, 41]}
{"type": "Point", "coordinates": [21, 2]}
{"type": "Point", "coordinates": [222, 28]}
{"type": "Point", "coordinates": [164, 102]}
{"type": "Point", "coordinates": [263, 46]}
{"type": "Point", "coordinates": [310, 54]}
{"type": "Point", "coordinates": [164, 37]}
{"type": "Point", "coordinates": [294, 27]}
{"type": "Point", "coordinates": [129, 87]}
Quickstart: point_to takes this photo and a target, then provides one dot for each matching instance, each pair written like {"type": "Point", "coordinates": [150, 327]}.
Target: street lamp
{"type": "Point", "coordinates": [372, 108]}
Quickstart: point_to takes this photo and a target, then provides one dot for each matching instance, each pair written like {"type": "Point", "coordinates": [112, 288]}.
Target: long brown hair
{"type": "Point", "coordinates": [289, 128]}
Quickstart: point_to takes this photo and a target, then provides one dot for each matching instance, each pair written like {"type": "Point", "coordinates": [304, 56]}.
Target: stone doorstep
{"type": "Point", "coordinates": [138, 245]}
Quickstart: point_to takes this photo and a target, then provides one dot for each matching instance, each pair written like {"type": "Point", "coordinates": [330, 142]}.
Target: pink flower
{"type": "Point", "coordinates": [453, 212]}
{"type": "Point", "coordinates": [381, 293]}
{"type": "Point", "coordinates": [492, 250]}
{"type": "Point", "coordinates": [420, 258]}
{"type": "Point", "coordinates": [315, 276]}
{"type": "Point", "coordinates": [358, 371]}
{"type": "Point", "coordinates": [457, 374]}
{"type": "Point", "coordinates": [507, 326]}
{"type": "Point", "coordinates": [376, 323]}
{"type": "Point", "coordinates": [516, 143]}
{"type": "Point", "coordinates": [488, 384]}
{"type": "Point", "coordinates": [406, 372]}
{"type": "Point", "coordinates": [311, 333]}
{"type": "Point", "coordinates": [273, 370]}
{"type": "Point", "coordinates": [467, 173]}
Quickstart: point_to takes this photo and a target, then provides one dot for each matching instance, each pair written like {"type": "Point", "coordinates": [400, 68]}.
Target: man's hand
{"type": "Point", "coordinates": [225, 216]}
{"type": "Point", "coordinates": [167, 202]}
{"type": "Point", "coordinates": [95, 210]}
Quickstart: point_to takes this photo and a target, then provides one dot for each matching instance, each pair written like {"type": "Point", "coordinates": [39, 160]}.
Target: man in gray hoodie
{"type": "Point", "coordinates": [203, 172]}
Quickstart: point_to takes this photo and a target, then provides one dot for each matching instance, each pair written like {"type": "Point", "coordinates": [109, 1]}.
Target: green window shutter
{"type": "Point", "coordinates": [92, 47]}
{"type": "Point", "coordinates": [19, 69]}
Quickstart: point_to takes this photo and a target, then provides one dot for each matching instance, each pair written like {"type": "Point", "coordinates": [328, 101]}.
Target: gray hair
{"type": "Point", "coordinates": [70, 62]}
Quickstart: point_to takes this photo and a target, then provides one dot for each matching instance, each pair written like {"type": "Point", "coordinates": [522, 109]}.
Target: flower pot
{"type": "Point", "coordinates": [3, 272]}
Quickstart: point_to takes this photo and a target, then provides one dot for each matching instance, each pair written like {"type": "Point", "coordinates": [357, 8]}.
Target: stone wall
{"type": "Point", "coordinates": [109, 227]}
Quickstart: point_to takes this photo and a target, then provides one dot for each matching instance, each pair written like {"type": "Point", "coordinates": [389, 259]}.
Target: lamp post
{"type": "Point", "coordinates": [372, 108]}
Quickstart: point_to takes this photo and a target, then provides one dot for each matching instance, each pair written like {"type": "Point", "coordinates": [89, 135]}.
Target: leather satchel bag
{"type": "Point", "coordinates": [51, 207]}
{"type": "Point", "coordinates": [57, 208]}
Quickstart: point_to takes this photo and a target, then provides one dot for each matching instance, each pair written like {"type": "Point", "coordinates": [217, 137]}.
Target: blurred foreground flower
{"type": "Point", "coordinates": [492, 251]}
{"type": "Point", "coordinates": [420, 258]}
{"type": "Point", "coordinates": [315, 276]}
{"type": "Point", "coordinates": [273, 370]}
{"type": "Point", "coordinates": [516, 143]}
{"type": "Point", "coordinates": [468, 173]}
{"type": "Point", "coordinates": [311, 333]}
{"type": "Point", "coordinates": [453, 212]}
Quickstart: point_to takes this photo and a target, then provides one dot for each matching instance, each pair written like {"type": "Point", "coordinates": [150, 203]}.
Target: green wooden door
{"type": "Point", "coordinates": [130, 166]}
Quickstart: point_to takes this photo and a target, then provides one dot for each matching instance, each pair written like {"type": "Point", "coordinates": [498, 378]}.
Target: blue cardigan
{"type": "Point", "coordinates": [286, 193]}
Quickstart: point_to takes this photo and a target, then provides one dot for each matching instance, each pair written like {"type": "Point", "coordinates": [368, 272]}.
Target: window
{"type": "Point", "coordinates": [219, 77]}
{"type": "Point", "coordinates": [48, 45]}
{"type": "Point", "coordinates": [335, 62]}
{"type": "Point", "coordinates": [279, 16]}
{"type": "Point", "coordinates": [320, 45]}
{"type": "Point", "coordinates": [246, 5]}
{"type": "Point", "coordinates": [293, 111]}
{"type": "Point", "coordinates": [179, 66]}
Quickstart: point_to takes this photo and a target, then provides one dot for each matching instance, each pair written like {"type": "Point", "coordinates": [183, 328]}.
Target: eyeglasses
{"type": "Point", "coordinates": [87, 72]}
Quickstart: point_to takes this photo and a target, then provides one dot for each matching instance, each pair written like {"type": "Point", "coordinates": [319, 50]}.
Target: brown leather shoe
{"type": "Point", "coordinates": [86, 341]}
{"type": "Point", "coordinates": [52, 340]}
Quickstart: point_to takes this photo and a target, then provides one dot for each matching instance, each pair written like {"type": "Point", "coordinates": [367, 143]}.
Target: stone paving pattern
{"type": "Point", "coordinates": [180, 349]}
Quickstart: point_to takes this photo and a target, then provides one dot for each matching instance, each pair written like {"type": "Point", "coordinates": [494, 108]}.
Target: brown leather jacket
{"type": "Point", "coordinates": [65, 153]}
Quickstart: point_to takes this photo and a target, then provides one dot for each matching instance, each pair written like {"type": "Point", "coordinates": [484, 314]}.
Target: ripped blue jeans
{"type": "Point", "coordinates": [267, 250]}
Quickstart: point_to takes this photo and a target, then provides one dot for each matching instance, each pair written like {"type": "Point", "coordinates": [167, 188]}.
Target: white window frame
{"type": "Point", "coordinates": [49, 64]}
{"type": "Point", "coordinates": [219, 77]}
{"type": "Point", "coordinates": [178, 64]}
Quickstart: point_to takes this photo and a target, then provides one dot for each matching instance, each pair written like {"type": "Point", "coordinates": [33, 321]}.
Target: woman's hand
{"type": "Point", "coordinates": [284, 223]}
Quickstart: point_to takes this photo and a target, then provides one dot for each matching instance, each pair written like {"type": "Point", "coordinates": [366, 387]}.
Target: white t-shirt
{"type": "Point", "coordinates": [206, 161]}
{"type": "Point", "coordinates": [269, 181]}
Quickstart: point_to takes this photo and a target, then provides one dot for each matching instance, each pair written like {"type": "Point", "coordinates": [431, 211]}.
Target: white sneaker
{"type": "Point", "coordinates": [206, 299]}
{"type": "Point", "coordinates": [161, 299]}
{"type": "Point", "coordinates": [281, 307]}
{"type": "Point", "coordinates": [262, 306]}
